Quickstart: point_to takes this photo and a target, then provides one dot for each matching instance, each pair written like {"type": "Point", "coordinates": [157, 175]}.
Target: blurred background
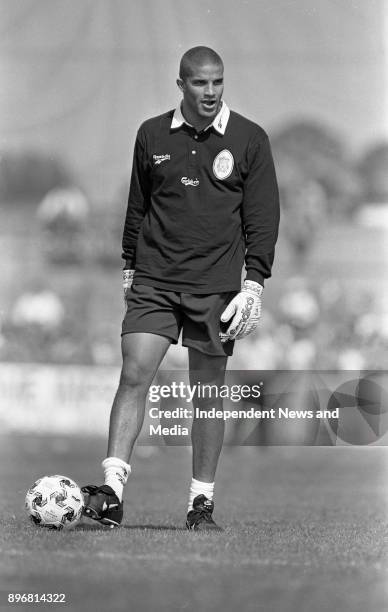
{"type": "Point", "coordinates": [77, 79]}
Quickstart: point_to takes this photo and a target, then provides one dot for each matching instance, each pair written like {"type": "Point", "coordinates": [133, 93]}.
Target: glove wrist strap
{"type": "Point", "coordinates": [252, 287]}
{"type": "Point", "coordinates": [128, 275]}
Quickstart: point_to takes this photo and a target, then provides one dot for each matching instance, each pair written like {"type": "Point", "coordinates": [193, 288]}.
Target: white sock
{"type": "Point", "coordinates": [116, 474]}
{"type": "Point", "coordinates": [196, 488]}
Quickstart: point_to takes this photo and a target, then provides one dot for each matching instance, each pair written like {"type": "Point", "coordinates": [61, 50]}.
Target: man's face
{"type": "Point", "coordinates": [202, 92]}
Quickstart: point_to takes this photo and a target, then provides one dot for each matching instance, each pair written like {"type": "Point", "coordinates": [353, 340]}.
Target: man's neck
{"type": "Point", "coordinates": [196, 122]}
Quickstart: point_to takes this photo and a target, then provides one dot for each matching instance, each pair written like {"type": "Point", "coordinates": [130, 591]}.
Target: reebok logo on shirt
{"type": "Point", "coordinates": [158, 159]}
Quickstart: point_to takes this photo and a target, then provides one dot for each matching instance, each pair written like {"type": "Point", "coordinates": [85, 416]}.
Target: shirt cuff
{"type": "Point", "coordinates": [254, 275]}
{"type": "Point", "coordinates": [129, 264]}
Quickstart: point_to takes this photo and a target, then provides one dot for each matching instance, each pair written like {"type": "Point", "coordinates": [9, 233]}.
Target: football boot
{"type": "Point", "coordinates": [200, 517]}
{"type": "Point", "coordinates": [103, 505]}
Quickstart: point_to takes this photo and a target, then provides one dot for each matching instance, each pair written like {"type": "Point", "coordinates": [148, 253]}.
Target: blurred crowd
{"type": "Point", "coordinates": [72, 313]}
{"type": "Point", "coordinates": [318, 326]}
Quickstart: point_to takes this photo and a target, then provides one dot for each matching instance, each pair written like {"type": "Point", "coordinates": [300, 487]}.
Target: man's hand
{"type": "Point", "coordinates": [245, 308]}
{"type": "Point", "coordinates": [127, 282]}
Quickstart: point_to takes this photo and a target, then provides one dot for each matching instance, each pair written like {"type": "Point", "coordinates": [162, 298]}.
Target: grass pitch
{"type": "Point", "coordinates": [305, 531]}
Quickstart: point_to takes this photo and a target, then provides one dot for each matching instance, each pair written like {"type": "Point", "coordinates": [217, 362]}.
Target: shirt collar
{"type": "Point", "coordinates": [219, 122]}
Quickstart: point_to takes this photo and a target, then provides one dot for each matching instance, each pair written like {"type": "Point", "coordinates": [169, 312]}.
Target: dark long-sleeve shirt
{"type": "Point", "coordinates": [201, 204]}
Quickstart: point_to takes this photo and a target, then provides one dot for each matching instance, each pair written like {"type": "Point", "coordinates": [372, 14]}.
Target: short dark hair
{"type": "Point", "coordinates": [197, 56]}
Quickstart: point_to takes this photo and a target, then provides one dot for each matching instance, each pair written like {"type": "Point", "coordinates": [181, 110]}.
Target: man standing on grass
{"type": "Point", "coordinates": [203, 201]}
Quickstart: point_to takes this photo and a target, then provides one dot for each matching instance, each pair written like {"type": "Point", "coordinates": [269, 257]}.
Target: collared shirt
{"type": "Point", "coordinates": [201, 204]}
{"type": "Point", "coordinates": [219, 122]}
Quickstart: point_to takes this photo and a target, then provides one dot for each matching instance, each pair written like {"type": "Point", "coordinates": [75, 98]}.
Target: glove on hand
{"type": "Point", "coordinates": [245, 308]}
{"type": "Point", "coordinates": [127, 281]}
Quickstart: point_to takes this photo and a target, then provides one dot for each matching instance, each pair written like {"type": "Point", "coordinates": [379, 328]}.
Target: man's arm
{"type": "Point", "coordinates": [138, 202]}
{"type": "Point", "coordinates": [260, 214]}
{"type": "Point", "coordinates": [260, 211]}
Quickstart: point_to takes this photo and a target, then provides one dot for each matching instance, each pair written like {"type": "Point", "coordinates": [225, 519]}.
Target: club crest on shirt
{"type": "Point", "coordinates": [223, 164]}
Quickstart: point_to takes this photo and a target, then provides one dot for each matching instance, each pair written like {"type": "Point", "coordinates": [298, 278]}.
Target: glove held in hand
{"type": "Point", "coordinates": [245, 308]}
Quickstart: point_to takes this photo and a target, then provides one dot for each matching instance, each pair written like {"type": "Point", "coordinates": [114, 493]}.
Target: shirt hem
{"type": "Point", "coordinates": [177, 287]}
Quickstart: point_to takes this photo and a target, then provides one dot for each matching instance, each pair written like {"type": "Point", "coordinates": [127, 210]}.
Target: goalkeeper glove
{"type": "Point", "coordinates": [245, 308]}
{"type": "Point", "coordinates": [127, 282]}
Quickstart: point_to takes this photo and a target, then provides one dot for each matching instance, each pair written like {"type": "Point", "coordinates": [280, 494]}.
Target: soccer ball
{"type": "Point", "coordinates": [55, 502]}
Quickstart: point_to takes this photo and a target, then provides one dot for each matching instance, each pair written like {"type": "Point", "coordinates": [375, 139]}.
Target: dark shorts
{"type": "Point", "coordinates": [166, 313]}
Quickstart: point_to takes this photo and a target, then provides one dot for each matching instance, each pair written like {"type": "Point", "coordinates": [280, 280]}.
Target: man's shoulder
{"type": "Point", "coordinates": [158, 122]}
{"type": "Point", "coordinates": [243, 125]}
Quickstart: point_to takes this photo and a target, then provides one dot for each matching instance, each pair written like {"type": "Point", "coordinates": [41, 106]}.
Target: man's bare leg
{"type": "Point", "coordinates": [207, 435]}
{"type": "Point", "coordinates": [142, 354]}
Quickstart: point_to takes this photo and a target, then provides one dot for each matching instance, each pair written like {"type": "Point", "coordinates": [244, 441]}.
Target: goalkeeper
{"type": "Point", "coordinates": [203, 202]}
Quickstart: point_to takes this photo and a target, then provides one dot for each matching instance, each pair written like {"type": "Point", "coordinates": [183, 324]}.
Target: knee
{"type": "Point", "coordinates": [134, 377]}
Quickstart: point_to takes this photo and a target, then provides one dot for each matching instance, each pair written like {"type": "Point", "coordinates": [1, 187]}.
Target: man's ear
{"type": "Point", "coordinates": [180, 84]}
